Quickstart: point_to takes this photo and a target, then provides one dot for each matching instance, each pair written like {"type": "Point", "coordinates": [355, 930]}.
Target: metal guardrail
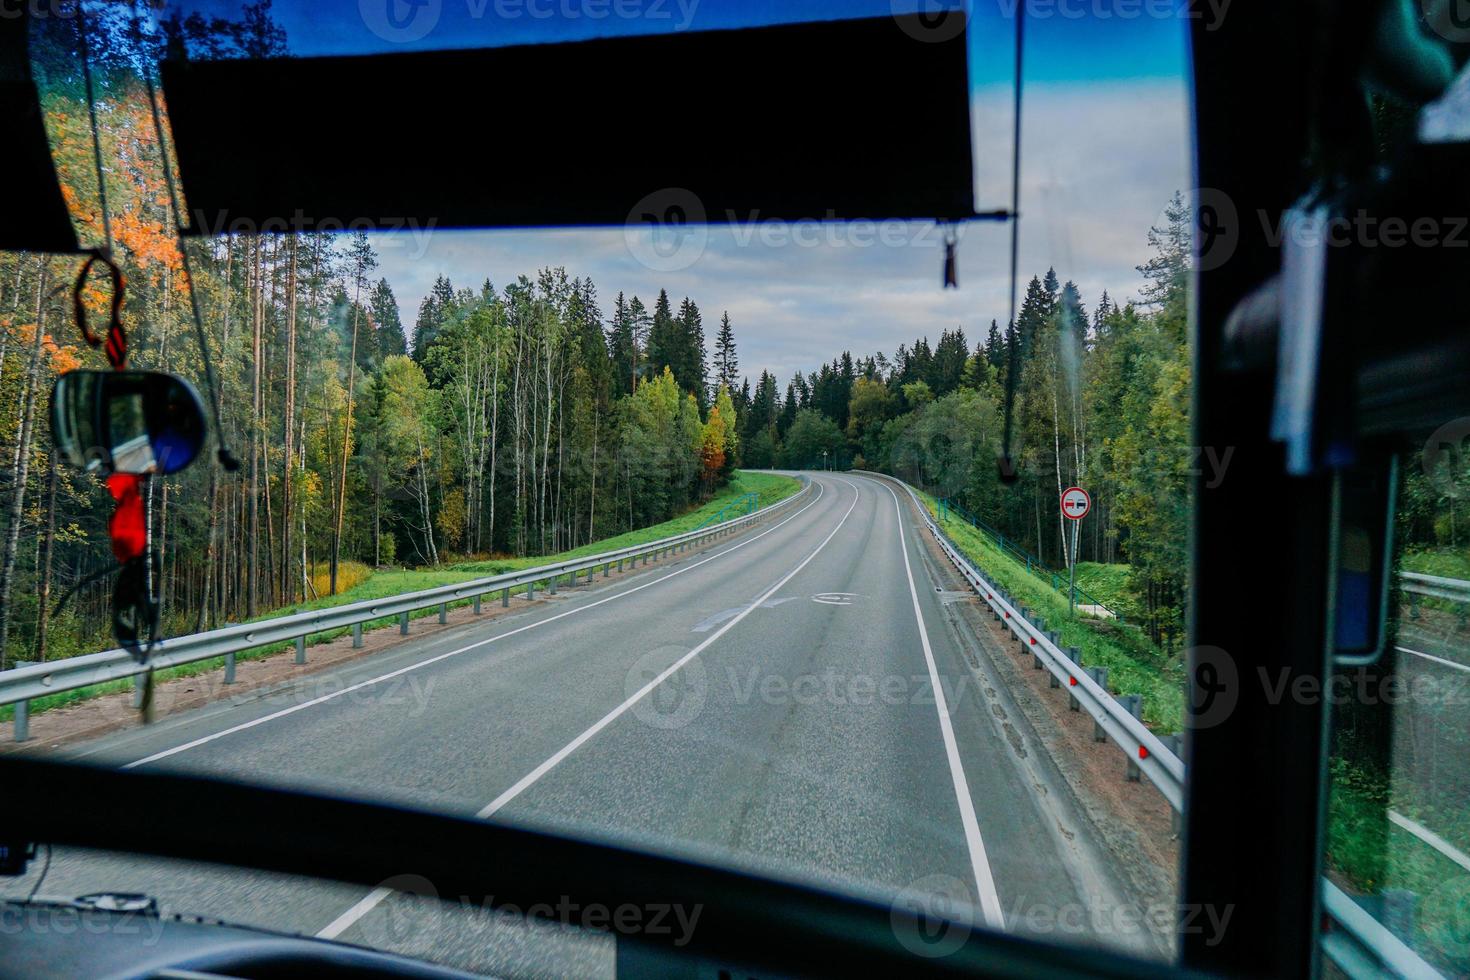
{"type": "Point", "coordinates": [1453, 589]}
{"type": "Point", "coordinates": [1361, 946]}
{"type": "Point", "coordinates": [21, 684]}
{"type": "Point", "coordinates": [1356, 942]}
{"type": "Point", "coordinates": [1145, 750]}
{"type": "Point", "coordinates": [1034, 566]}
{"type": "Point", "coordinates": [748, 503]}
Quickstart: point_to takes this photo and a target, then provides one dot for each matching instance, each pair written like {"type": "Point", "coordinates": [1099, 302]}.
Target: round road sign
{"type": "Point", "coordinates": [1075, 503]}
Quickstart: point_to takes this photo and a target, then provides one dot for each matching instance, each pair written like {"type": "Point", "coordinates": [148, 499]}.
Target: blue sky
{"type": "Point", "coordinates": [1107, 141]}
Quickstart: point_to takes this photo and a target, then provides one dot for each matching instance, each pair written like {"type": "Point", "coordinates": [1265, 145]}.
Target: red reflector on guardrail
{"type": "Point", "coordinates": [1033, 641]}
{"type": "Point", "coordinates": [1142, 752]}
{"type": "Point", "coordinates": [1071, 682]}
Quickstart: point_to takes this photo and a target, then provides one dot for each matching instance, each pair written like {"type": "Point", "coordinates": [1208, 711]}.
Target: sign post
{"type": "Point", "coordinates": [1075, 504]}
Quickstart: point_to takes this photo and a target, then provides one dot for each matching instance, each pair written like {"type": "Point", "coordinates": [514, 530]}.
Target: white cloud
{"type": "Point", "coordinates": [1099, 163]}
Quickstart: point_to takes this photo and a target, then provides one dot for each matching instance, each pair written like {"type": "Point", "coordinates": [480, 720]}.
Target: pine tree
{"type": "Point", "coordinates": [387, 326]}
{"type": "Point", "coordinates": [995, 348]}
{"type": "Point", "coordinates": [950, 359]}
{"type": "Point", "coordinates": [436, 308]}
{"type": "Point", "coordinates": [1168, 270]}
{"type": "Point", "coordinates": [689, 355]}
{"type": "Point", "coordinates": [623, 348]}
{"type": "Point", "coordinates": [727, 365]}
{"type": "Point", "coordinates": [663, 342]}
{"type": "Point", "coordinates": [788, 411]}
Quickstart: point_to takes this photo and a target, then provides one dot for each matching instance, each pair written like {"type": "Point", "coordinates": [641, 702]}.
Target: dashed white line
{"type": "Point", "coordinates": [531, 777]}
{"type": "Point", "coordinates": [204, 740]}
{"type": "Point", "coordinates": [344, 921]}
{"type": "Point", "coordinates": [375, 897]}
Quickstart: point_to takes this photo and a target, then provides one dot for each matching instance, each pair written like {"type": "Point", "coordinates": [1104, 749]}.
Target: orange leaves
{"type": "Point", "coordinates": [61, 358]}
{"type": "Point", "coordinates": [712, 445]}
{"type": "Point", "coordinates": [148, 241]}
{"type": "Point", "coordinates": [137, 194]}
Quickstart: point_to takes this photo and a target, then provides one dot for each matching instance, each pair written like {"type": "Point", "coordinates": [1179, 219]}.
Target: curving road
{"type": "Point", "coordinates": [800, 699]}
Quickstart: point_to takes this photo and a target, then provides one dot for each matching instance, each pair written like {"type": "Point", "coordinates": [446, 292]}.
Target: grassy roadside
{"type": "Point", "coordinates": [1131, 669]}
{"type": "Point", "coordinates": [1369, 855]}
{"type": "Point", "coordinates": [1444, 562]}
{"type": "Point", "coordinates": [1109, 583]}
{"type": "Point", "coordinates": [770, 487]}
{"type": "Point", "coordinates": [1365, 852]}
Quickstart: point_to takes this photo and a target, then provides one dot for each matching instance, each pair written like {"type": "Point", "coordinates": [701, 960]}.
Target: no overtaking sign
{"type": "Point", "coordinates": [1075, 503]}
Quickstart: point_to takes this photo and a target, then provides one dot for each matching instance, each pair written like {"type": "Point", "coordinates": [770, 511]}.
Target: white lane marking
{"type": "Point", "coordinates": [531, 777]}
{"type": "Point", "coordinates": [1431, 838]}
{"type": "Point", "coordinates": [372, 899]}
{"type": "Point", "coordinates": [979, 864]}
{"type": "Point", "coordinates": [454, 653]}
{"type": "Point", "coordinates": [344, 921]}
{"type": "Point", "coordinates": [1438, 660]}
{"type": "Point", "coordinates": [710, 622]}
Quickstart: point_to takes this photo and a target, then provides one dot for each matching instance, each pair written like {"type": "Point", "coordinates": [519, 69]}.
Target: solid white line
{"type": "Point", "coordinates": [531, 777]}
{"type": "Point", "coordinates": [1431, 838]}
{"type": "Point", "coordinates": [344, 921]}
{"type": "Point", "coordinates": [373, 898]}
{"type": "Point", "coordinates": [464, 649]}
{"type": "Point", "coordinates": [979, 864]}
{"type": "Point", "coordinates": [1438, 660]}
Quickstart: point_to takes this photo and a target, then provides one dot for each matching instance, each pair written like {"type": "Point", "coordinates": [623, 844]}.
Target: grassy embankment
{"type": "Point", "coordinates": [382, 584]}
{"type": "Point", "coordinates": [1364, 849]}
{"type": "Point", "coordinates": [1134, 665]}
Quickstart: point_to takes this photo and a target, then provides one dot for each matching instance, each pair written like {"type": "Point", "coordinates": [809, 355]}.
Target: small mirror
{"type": "Point", "coordinates": [126, 421]}
{"type": "Point", "coordinates": [1363, 514]}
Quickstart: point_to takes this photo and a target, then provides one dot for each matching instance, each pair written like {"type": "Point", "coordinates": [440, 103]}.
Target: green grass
{"type": "Point", "coordinates": [1108, 583]}
{"type": "Point", "coordinates": [770, 488]}
{"type": "Point", "coordinates": [1364, 850]}
{"type": "Point", "coordinates": [1370, 854]}
{"type": "Point", "coordinates": [1134, 665]}
{"type": "Point", "coordinates": [381, 585]}
{"type": "Point", "coordinates": [1444, 562]}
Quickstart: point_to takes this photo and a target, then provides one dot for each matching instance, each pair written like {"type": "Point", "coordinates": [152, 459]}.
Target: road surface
{"type": "Point", "coordinates": [770, 702]}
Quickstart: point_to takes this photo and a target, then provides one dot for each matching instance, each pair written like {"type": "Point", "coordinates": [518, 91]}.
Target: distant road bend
{"type": "Point", "coordinates": [798, 698]}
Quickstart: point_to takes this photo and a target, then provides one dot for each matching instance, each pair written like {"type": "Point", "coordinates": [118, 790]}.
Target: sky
{"type": "Point", "coordinates": [1107, 141]}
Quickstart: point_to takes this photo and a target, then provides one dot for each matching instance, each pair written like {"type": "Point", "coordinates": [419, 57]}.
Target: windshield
{"type": "Point", "coordinates": [792, 617]}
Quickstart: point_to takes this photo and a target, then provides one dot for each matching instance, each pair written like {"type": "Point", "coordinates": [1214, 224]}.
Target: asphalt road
{"type": "Point", "coordinates": [796, 700]}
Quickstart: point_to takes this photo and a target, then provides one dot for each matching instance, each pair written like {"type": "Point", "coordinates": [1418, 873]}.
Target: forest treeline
{"type": "Point", "coordinates": [535, 414]}
{"type": "Point", "coordinates": [1101, 400]}
{"type": "Point", "coordinates": [522, 418]}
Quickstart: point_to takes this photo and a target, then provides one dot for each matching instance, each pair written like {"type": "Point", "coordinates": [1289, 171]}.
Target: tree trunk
{"type": "Point", "coordinates": [346, 448]}
{"type": "Point", "coordinates": [21, 469]}
{"type": "Point", "coordinates": [252, 584]}
{"type": "Point", "coordinates": [48, 548]}
{"type": "Point", "coordinates": [288, 455]}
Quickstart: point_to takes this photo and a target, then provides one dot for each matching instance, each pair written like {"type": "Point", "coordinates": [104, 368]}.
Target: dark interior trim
{"type": "Point", "coordinates": [843, 120]}
{"type": "Point", "coordinates": [747, 922]}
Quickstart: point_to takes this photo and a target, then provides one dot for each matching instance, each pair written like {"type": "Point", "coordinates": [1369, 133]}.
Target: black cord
{"type": "Point", "coordinates": [92, 115]}
{"type": "Point", "coordinates": [226, 458]}
{"type": "Point", "coordinates": [45, 870]}
{"type": "Point", "coordinates": [1008, 471]}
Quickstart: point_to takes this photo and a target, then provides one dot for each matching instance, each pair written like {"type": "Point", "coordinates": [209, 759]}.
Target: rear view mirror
{"type": "Point", "coordinates": [126, 421]}
{"type": "Point", "coordinates": [1364, 502]}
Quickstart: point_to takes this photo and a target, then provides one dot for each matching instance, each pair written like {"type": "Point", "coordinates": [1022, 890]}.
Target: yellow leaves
{"type": "Point", "coordinates": [712, 445]}
{"type": "Point", "coordinates": [349, 574]}
{"type": "Point", "coordinates": [60, 358]}
{"type": "Point", "coordinates": [453, 516]}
